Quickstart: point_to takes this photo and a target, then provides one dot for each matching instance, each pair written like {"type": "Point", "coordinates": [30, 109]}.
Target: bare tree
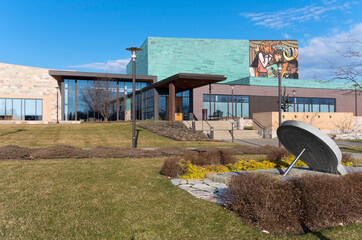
{"type": "Point", "coordinates": [286, 102]}
{"type": "Point", "coordinates": [100, 97]}
{"type": "Point", "coordinates": [351, 70]}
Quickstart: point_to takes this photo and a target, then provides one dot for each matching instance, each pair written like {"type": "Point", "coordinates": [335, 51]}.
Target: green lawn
{"type": "Point", "coordinates": [115, 199]}
{"type": "Point", "coordinates": [352, 149]}
{"type": "Point", "coordinates": [89, 135]}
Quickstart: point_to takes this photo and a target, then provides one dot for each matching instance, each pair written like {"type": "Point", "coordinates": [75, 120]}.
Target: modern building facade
{"type": "Point", "coordinates": [210, 78]}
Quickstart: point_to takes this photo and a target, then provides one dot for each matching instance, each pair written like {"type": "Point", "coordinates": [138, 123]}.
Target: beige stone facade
{"type": "Point", "coordinates": [31, 83]}
{"type": "Point", "coordinates": [321, 120]}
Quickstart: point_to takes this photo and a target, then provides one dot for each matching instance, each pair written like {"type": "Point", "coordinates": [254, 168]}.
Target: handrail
{"type": "Point", "coordinates": [232, 116]}
{"type": "Point", "coordinates": [261, 126]}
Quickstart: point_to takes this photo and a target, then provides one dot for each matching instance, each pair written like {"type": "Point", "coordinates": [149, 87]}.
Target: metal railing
{"type": "Point", "coordinates": [261, 126]}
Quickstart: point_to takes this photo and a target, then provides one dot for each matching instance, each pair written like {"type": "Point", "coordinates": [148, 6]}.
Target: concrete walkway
{"type": "Point", "coordinates": [258, 142]}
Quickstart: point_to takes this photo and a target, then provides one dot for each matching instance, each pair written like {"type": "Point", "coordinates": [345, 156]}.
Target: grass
{"type": "Point", "coordinates": [115, 199]}
{"type": "Point", "coordinates": [89, 135]}
{"type": "Point", "coordinates": [352, 149]}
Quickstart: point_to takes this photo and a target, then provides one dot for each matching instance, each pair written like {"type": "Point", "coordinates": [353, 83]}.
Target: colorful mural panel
{"type": "Point", "coordinates": [263, 56]}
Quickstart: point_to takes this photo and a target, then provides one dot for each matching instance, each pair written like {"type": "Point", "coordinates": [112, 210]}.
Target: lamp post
{"type": "Point", "coordinates": [294, 100]}
{"type": "Point", "coordinates": [279, 68]}
{"type": "Point", "coordinates": [210, 99]}
{"type": "Point", "coordinates": [133, 114]}
{"type": "Point", "coordinates": [232, 101]}
{"type": "Point", "coordinates": [57, 104]}
{"type": "Point", "coordinates": [355, 99]}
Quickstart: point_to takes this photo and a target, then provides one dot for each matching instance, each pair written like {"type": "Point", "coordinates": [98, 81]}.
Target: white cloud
{"type": "Point", "coordinates": [318, 51]}
{"type": "Point", "coordinates": [290, 17]}
{"type": "Point", "coordinates": [286, 36]}
{"type": "Point", "coordinates": [118, 65]}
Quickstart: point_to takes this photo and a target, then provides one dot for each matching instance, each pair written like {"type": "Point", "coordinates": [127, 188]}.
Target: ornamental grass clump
{"type": "Point", "coordinates": [296, 206]}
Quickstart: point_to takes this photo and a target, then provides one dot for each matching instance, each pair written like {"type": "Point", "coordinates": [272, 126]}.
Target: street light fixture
{"type": "Point", "coordinates": [133, 114]}
{"type": "Point", "coordinates": [280, 68]}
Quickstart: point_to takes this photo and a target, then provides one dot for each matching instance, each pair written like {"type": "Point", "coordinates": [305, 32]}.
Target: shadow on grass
{"type": "Point", "coordinates": [137, 135]}
{"type": "Point", "coordinates": [12, 132]}
{"type": "Point", "coordinates": [317, 234]}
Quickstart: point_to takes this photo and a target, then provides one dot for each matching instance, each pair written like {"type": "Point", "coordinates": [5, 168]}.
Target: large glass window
{"type": "Point", "coordinates": [226, 106]}
{"type": "Point", "coordinates": [86, 109]}
{"type": "Point", "coordinates": [21, 109]}
{"type": "Point", "coordinates": [148, 104]}
{"type": "Point", "coordinates": [301, 104]}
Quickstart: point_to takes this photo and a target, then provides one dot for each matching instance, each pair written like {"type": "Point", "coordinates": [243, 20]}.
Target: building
{"type": "Point", "coordinates": [210, 78]}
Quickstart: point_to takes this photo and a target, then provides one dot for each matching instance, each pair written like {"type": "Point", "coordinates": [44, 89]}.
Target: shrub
{"type": "Point", "coordinates": [14, 152]}
{"type": "Point", "coordinates": [197, 172]}
{"type": "Point", "coordinates": [328, 201]}
{"type": "Point", "coordinates": [347, 158]}
{"type": "Point", "coordinates": [62, 151]}
{"type": "Point", "coordinates": [295, 206]}
{"type": "Point", "coordinates": [277, 154]}
{"type": "Point", "coordinates": [172, 168]}
{"type": "Point", "coordinates": [214, 157]}
{"type": "Point", "coordinates": [250, 165]}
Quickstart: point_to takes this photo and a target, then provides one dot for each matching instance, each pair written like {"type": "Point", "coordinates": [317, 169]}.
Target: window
{"type": "Point", "coordinates": [312, 105]}
{"type": "Point", "coordinates": [21, 109]}
{"type": "Point", "coordinates": [226, 105]}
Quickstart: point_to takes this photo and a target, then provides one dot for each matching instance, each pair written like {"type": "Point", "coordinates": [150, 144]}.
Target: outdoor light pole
{"type": "Point", "coordinates": [232, 101]}
{"type": "Point", "coordinates": [209, 100]}
{"type": "Point", "coordinates": [57, 104]}
{"type": "Point", "coordinates": [280, 67]}
{"type": "Point", "coordinates": [133, 114]}
{"type": "Point", "coordinates": [294, 100]}
{"type": "Point", "coordinates": [355, 99]}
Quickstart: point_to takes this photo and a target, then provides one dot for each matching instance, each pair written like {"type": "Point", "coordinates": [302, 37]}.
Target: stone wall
{"type": "Point", "coordinates": [340, 121]}
{"type": "Point", "coordinates": [31, 83]}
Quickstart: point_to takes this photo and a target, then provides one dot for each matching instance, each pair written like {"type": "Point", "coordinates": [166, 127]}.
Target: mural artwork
{"type": "Point", "coordinates": [263, 56]}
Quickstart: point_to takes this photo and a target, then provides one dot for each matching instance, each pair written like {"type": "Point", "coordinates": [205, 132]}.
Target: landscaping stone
{"type": "Point", "coordinates": [205, 189]}
{"type": "Point", "coordinates": [295, 172]}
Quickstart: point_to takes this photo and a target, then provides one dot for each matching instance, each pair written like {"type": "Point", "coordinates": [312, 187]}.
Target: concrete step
{"type": "Point", "coordinates": [222, 130]}
{"type": "Point", "coordinates": [246, 134]}
{"type": "Point", "coordinates": [205, 125]}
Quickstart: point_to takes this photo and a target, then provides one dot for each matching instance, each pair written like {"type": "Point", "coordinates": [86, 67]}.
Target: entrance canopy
{"type": "Point", "coordinates": [187, 81]}
{"type": "Point", "coordinates": [62, 74]}
{"type": "Point", "coordinates": [178, 83]}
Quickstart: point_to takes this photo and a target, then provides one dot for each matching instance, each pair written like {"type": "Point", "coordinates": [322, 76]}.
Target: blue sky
{"type": "Point", "coordinates": [92, 35]}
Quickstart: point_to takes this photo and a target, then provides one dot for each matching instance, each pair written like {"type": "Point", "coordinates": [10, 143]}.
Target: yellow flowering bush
{"type": "Point", "coordinates": [250, 165]}
{"type": "Point", "coordinates": [198, 172]}
{"type": "Point", "coordinates": [347, 164]}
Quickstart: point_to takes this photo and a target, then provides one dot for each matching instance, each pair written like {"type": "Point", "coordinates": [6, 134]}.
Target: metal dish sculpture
{"type": "Point", "coordinates": [312, 146]}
